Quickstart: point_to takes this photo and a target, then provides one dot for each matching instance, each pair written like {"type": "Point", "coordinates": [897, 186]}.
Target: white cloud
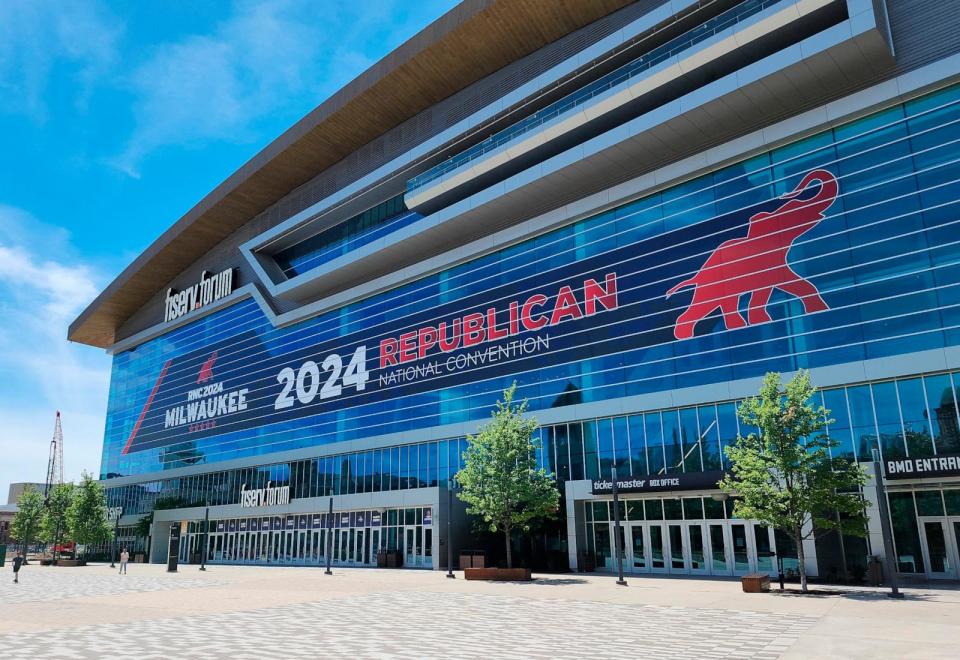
{"type": "Point", "coordinates": [42, 288]}
{"type": "Point", "coordinates": [257, 62]}
{"type": "Point", "coordinates": [37, 36]}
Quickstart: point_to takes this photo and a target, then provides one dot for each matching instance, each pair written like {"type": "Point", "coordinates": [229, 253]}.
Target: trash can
{"type": "Point", "coordinates": [473, 559]}
{"type": "Point", "coordinates": [3, 554]}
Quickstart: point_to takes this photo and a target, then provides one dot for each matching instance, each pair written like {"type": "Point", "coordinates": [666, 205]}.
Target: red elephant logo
{"type": "Point", "coordinates": [206, 369]}
{"type": "Point", "coordinates": [757, 263]}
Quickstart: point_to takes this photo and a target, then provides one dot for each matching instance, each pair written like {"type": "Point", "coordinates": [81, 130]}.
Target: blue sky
{"type": "Point", "coordinates": [115, 119]}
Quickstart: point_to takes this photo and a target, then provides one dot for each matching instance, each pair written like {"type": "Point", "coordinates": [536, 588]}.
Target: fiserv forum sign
{"type": "Point", "coordinates": [210, 288]}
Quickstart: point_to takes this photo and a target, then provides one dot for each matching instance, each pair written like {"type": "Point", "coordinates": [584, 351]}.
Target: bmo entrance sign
{"type": "Point", "coordinates": [947, 465]}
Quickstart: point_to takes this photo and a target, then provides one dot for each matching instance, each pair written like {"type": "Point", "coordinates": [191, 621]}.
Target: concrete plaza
{"type": "Point", "coordinates": [260, 612]}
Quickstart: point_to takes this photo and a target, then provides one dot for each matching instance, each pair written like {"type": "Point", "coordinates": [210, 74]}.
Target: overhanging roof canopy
{"type": "Point", "coordinates": [471, 41]}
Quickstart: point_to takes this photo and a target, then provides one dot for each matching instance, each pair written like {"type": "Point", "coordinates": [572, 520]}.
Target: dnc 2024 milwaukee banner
{"type": "Point", "coordinates": [629, 297]}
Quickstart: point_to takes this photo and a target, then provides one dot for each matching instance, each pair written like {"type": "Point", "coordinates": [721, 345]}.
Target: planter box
{"type": "Point", "coordinates": [755, 583]}
{"type": "Point", "coordinates": [72, 562]}
{"type": "Point", "coordinates": [498, 574]}
{"type": "Point", "coordinates": [389, 559]}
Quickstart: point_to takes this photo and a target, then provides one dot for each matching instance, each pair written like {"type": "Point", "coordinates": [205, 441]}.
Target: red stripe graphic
{"type": "Point", "coordinates": [146, 407]}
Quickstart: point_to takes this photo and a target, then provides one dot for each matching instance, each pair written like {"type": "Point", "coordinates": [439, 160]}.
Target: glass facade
{"type": "Point", "coordinates": [423, 465]}
{"type": "Point", "coordinates": [648, 60]}
{"type": "Point", "coordinates": [688, 439]}
{"type": "Point", "coordinates": [884, 257]}
{"type": "Point", "coordinates": [346, 236]}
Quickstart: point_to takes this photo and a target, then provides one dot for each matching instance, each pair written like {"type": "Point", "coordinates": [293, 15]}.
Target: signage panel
{"type": "Point", "coordinates": [210, 288]}
{"type": "Point", "coordinates": [571, 311]}
{"type": "Point", "coordinates": [655, 483]}
{"type": "Point", "coordinates": [946, 465]}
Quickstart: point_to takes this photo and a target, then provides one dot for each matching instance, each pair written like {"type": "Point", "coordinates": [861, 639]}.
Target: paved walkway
{"type": "Point", "coordinates": [253, 612]}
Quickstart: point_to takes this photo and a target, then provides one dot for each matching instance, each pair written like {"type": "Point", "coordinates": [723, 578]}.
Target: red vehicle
{"type": "Point", "coordinates": [66, 550]}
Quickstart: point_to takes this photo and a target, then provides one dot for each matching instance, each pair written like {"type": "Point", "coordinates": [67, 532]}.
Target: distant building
{"type": "Point", "coordinates": [16, 490]}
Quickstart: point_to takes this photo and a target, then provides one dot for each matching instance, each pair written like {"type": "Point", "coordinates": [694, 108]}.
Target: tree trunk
{"type": "Point", "coordinates": [506, 537]}
{"type": "Point", "coordinates": [800, 558]}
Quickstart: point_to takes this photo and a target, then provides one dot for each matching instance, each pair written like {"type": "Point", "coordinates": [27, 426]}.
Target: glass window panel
{"type": "Point", "coordinates": [600, 511]}
{"type": "Point", "coordinates": [653, 430]}
{"type": "Point", "coordinates": [942, 414]}
{"type": "Point", "coordinates": [692, 508]}
{"type": "Point", "coordinates": [575, 440]}
{"type": "Point", "coordinates": [726, 426]}
{"type": "Point", "coordinates": [913, 408]}
{"type": "Point", "coordinates": [591, 461]}
{"type": "Point", "coordinates": [690, 434]}
{"type": "Point", "coordinates": [672, 442]}
{"type": "Point", "coordinates": [638, 449]}
{"type": "Point", "coordinates": [951, 499]}
{"type": "Point", "coordinates": [563, 451]}
{"type": "Point", "coordinates": [835, 401]}
{"type": "Point", "coordinates": [863, 425]}
{"type": "Point", "coordinates": [929, 503]}
{"type": "Point", "coordinates": [888, 420]}
{"type": "Point", "coordinates": [713, 509]}
{"type": "Point", "coordinates": [653, 509]}
{"type": "Point", "coordinates": [709, 437]}
{"type": "Point", "coordinates": [605, 444]}
{"type": "Point", "coordinates": [432, 465]}
{"type": "Point", "coordinates": [672, 509]}
{"type": "Point", "coordinates": [621, 445]}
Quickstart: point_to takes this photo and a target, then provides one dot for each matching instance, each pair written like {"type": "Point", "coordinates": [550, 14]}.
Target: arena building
{"type": "Point", "coordinates": [632, 209]}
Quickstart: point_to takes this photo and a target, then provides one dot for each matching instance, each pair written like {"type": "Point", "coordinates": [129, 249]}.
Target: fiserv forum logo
{"type": "Point", "coordinates": [757, 263]}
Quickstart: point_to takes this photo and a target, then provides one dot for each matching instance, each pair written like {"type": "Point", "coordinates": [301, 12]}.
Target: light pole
{"type": "Point", "coordinates": [449, 530]}
{"type": "Point", "coordinates": [329, 536]}
{"type": "Point", "coordinates": [113, 546]}
{"type": "Point", "coordinates": [203, 544]}
{"type": "Point", "coordinates": [890, 566]}
{"type": "Point", "coordinates": [618, 532]}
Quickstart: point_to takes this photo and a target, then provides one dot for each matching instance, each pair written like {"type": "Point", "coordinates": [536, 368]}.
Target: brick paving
{"type": "Point", "coordinates": [427, 625]}
{"type": "Point", "coordinates": [38, 584]}
{"type": "Point", "coordinates": [284, 612]}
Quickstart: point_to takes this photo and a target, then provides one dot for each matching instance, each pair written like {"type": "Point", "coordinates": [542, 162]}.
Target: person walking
{"type": "Point", "coordinates": [18, 561]}
{"type": "Point", "coordinates": [124, 558]}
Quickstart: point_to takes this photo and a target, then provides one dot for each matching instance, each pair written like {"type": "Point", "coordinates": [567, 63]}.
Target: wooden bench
{"type": "Point", "coordinates": [755, 583]}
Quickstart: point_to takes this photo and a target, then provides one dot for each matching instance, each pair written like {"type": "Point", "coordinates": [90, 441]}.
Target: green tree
{"type": "Point", "coordinates": [87, 515]}
{"type": "Point", "coordinates": [54, 526]}
{"type": "Point", "coordinates": [25, 526]}
{"type": "Point", "coordinates": [785, 477]}
{"type": "Point", "coordinates": [500, 481]}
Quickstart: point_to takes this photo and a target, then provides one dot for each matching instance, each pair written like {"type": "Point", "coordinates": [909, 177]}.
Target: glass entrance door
{"type": "Point", "coordinates": [637, 560]}
{"type": "Point", "coordinates": [374, 545]}
{"type": "Point", "coordinates": [677, 550]}
{"type": "Point", "coordinates": [410, 554]}
{"type": "Point", "coordinates": [741, 551]}
{"type": "Point", "coordinates": [696, 550]}
{"type": "Point", "coordinates": [940, 538]}
{"type": "Point", "coordinates": [719, 550]}
{"type": "Point", "coordinates": [657, 542]}
{"type": "Point", "coordinates": [358, 550]}
{"type": "Point", "coordinates": [604, 549]}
